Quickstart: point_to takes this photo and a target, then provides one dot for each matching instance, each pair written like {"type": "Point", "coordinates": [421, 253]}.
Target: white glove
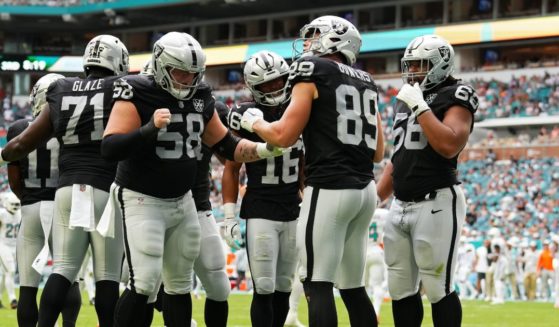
{"type": "Point", "coordinates": [230, 230]}
{"type": "Point", "coordinates": [413, 97]}
{"type": "Point", "coordinates": [265, 150]}
{"type": "Point", "coordinates": [251, 116]}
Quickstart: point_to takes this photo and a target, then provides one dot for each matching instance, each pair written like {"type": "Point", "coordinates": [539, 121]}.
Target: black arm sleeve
{"type": "Point", "coordinates": [116, 147]}
{"type": "Point", "coordinates": [226, 146]}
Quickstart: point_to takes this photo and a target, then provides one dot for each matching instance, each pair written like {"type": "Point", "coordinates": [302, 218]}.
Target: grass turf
{"type": "Point", "coordinates": [475, 313]}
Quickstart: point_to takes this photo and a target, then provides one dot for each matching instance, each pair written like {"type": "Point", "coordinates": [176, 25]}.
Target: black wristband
{"type": "Point", "coordinates": [149, 130]}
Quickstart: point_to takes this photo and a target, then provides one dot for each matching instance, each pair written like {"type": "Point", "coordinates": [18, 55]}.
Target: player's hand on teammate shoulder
{"type": "Point", "coordinates": [266, 150]}
{"type": "Point", "coordinates": [251, 116]}
{"type": "Point", "coordinates": [412, 96]}
{"type": "Point", "coordinates": [161, 118]}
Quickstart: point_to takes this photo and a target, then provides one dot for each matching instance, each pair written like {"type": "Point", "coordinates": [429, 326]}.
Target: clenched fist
{"type": "Point", "coordinates": [161, 118]}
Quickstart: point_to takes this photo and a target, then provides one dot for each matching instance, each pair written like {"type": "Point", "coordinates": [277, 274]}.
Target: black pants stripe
{"type": "Point", "coordinates": [452, 242]}
{"type": "Point", "coordinates": [126, 245]}
{"type": "Point", "coordinates": [309, 233]}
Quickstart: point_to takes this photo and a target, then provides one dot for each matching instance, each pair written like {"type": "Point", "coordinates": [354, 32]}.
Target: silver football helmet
{"type": "Point", "coordinates": [262, 67]}
{"type": "Point", "coordinates": [108, 52]}
{"type": "Point", "coordinates": [38, 96]}
{"type": "Point", "coordinates": [178, 51]}
{"type": "Point", "coordinates": [11, 202]}
{"type": "Point", "coordinates": [330, 34]}
{"type": "Point", "coordinates": [435, 57]}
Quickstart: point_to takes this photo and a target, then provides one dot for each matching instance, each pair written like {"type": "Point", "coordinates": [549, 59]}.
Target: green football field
{"type": "Point", "coordinates": [476, 313]}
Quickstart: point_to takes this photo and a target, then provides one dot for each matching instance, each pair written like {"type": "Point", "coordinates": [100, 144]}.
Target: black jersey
{"type": "Point", "coordinates": [201, 189]}
{"type": "Point", "coordinates": [341, 134]}
{"type": "Point", "coordinates": [79, 111]}
{"type": "Point", "coordinates": [39, 169]}
{"type": "Point", "coordinates": [418, 168]}
{"type": "Point", "coordinates": [273, 183]}
{"type": "Point", "coordinates": [166, 166]}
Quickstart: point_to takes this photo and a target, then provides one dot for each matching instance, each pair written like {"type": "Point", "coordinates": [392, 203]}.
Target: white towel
{"type": "Point", "coordinates": [46, 213]}
{"type": "Point", "coordinates": [82, 212]}
{"type": "Point", "coordinates": [106, 226]}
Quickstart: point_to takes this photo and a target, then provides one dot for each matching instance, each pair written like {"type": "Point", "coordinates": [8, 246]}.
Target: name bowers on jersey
{"type": "Point", "coordinates": [345, 69]}
{"type": "Point", "coordinates": [84, 85]}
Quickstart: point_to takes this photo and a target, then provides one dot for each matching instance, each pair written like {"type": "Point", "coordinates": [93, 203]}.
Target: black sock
{"type": "Point", "coordinates": [27, 310]}
{"type": "Point", "coordinates": [261, 310]}
{"type": "Point", "coordinates": [359, 307]}
{"type": "Point", "coordinates": [448, 311]}
{"type": "Point", "coordinates": [408, 312]}
{"type": "Point", "coordinates": [158, 304]}
{"type": "Point", "coordinates": [281, 308]}
{"type": "Point", "coordinates": [148, 314]}
{"type": "Point", "coordinates": [52, 299]}
{"type": "Point", "coordinates": [129, 309]}
{"type": "Point", "coordinates": [216, 313]}
{"type": "Point", "coordinates": [177, 309]}
{"type": "Point", "coordinates": [322, 308]}
{"type": "Point", "coordinates": [106, 296]}
{"type": "Point", "coordinates": [72, 306]}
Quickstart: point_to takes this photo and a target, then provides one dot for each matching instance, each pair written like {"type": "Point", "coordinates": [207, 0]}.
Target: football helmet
{"type": "Point", "coordinates": [38, 96]}
{"type": "Point", "coordinates": [178, 51]}
{"type": "Point", "coordinates": [435, 57]}
{"type": "Point", "coordinates": [108, 52]}
{"type": "Point", "coordinates": [262, 67]}
{"type": "Point", "coordinates": [329, 34]}
{"type": "Point", "coordinates": [11, 202]}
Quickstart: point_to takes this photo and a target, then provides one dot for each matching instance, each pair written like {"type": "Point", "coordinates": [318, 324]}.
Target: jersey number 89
{"type": "Point", "coordinates": [357, 121]}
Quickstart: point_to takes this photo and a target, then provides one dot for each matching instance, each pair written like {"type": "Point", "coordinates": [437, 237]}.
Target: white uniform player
{"type": "Point", "coordinates": [465, 263]}
{"type": "Point", "coordinates": [10, 218]}
{"type": "Point", "coordinates": [375, 268]}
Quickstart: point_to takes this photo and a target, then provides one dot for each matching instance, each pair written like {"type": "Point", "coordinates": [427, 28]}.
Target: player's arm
{"type": "Point", "coordinates": [230, 187]}
{"type": "Point", "coordinates": [15, 179]}
{"type": "Point", "coordinates": [379, 152]}
{"type": "Point", "coordinates": [301, 178]}
{"type": "Point", "coordinates": [39, 132]}
{"type": "Point", "coordinates": [384, 185]}
{"type": "Point", "coordinates": [232, 147]}
{"type": "Point", "coordinates": [449, 136]}
{"type": "Point", "coordinates": [285, 131]}
{"type": "Point", "coordinates": [125, 134]}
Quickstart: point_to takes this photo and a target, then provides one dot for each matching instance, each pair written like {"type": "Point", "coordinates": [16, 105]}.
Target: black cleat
{"type": "Point", "coordinates": [13, 304]}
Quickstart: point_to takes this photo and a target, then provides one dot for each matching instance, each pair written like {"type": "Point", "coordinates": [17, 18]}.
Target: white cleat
{"type": "Point", "coordinates": [292, 320]}
{"type": "Point", "coordinates": [193, 323]}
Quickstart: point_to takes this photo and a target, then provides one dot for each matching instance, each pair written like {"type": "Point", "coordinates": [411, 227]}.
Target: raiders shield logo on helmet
{"type": "Point", "coordinates": [445, 53]}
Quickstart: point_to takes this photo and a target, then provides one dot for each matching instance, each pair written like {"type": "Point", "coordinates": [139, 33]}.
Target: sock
{"type": "Point", "coordinates": [106, 296]}
{"type": "Point", "coordinates": [261, 310]}
{"type": "Point", "coordinates": [408, 312]}
{"type": "Point", "coordinates": [216, 313]}
{"type": "Point", "coordinates": [148, 314]}
{"type": "Point", "coordinates": [359, 307]}
{"type": "Point", "coordinates": [27, 310]}
{"type": "Point", "coordinates": [177, 309]}
{"type": "Point", "coordinates": [448, 311]}
{"type": "Point", "coordinates": [128, 309]}
{"type": "Point", "coordinates": [322, 308]}
{"type": "Point", "coordinates": [281, 307]}
{"type": "Point", "coordinates": [52, 299]}
{"type": "Point", "coordinates": [72, 306]}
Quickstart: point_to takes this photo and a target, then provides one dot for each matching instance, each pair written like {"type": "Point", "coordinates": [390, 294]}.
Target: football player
{"type": "Point", "coordinates": [10, 219]}
{"type": "Point", "coordinates": [434, 118]}
{"type": "Point", "coordinates": [271, 202]}
{"type": "Point", "coordinates": [33, 179]}
{"type": "Point", "coordinates": [210, 264]}
{"type": "Point", "coordinates": [76, 113]}
{"type": "Point", "coordinates": [334, 106]}
{"type": "Point", "coordinates": [156, 129]}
